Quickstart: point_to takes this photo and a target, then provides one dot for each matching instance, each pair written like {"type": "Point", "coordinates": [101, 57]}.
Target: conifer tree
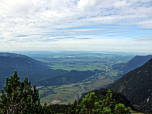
{"type": "Point", "coordinates": [17, 100]}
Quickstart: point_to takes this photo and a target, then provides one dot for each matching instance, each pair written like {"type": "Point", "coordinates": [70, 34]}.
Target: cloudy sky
{"type": "Point", "coordinates": [76, 25]}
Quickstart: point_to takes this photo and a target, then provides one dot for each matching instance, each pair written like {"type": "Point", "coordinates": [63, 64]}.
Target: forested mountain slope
{"type": "Point", "coordinates": [135, 62]}
{"type": "Point", "coordinates": [136, 85]}
{"type": "Point", "coordinates": [21, 62]}
{"type": "Point", "coordinates": [70, 77]}
{"type": "Point", "coordinates": [26, 66]}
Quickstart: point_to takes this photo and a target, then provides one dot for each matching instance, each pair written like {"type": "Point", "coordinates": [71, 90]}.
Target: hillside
{"type": "Point", "coordinates": [21, 62]}
{"type": "Point", "coordinates": [70, 77]}
{"type": "Point", "coordinates": [56, 77]}
{"type": "Point", "coordinates": [36, 71]}
{"type": "Point", "coordinates": [101, 95]}
{"type": "Point", "coordinates": [135, 62]}
{"type": "Point", "coordinates": [136, 85]}
{"type": "Point", "coordinates": [26, 66]}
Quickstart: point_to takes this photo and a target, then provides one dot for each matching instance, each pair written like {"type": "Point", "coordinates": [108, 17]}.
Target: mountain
{"type": "Point", "coordinates": [70, 77]}
{"type": "Point", "coordinates": [26, 66]}
{"type": "Point", "coordinates": [37, 72]}
{"type": "Point", "coordinates": [136, 85]}
{"type": "Point", "coordinates": [131, 89]}
{"type": "Point", "coordinates": [20, 61]}
{"type": "Point", "coordinates": [135, 62]}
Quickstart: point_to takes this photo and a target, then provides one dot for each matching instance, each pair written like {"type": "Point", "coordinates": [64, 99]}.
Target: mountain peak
{"type": "Point", "coordinates": [136, 85]}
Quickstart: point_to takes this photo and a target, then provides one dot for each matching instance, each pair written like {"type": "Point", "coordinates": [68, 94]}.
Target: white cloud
{"type": "Point", "coordinates": [40, 21]}
{"type": "Point", "coordinates": [88, 4]}
{"type": "Point", "coordinates": [145, 24]}
{"type": "Point", "coordinates": [121, 4]}
{"type": "Point", "coordinates": [144, 39]}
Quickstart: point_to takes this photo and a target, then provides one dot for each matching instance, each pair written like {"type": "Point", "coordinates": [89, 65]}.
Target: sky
{"type": "Point", "coordinates": [76, 25]}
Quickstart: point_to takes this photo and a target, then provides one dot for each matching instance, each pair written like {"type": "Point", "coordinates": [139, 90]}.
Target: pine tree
{"type": "Point", "coordinates": [20, 97]}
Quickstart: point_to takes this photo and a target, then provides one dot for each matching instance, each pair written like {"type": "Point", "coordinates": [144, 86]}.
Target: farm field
{"type": "Point", "coordinates": [83, 63]}
{"type": "Point", "coordinates": [68, 93]}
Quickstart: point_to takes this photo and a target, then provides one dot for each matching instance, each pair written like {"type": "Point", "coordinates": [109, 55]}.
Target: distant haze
{"type": "Point", "coordinates": [46, 53]}
{"type": "Point", "coordinates": [76, 25]}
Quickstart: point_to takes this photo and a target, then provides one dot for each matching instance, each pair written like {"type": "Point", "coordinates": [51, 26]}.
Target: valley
{"type": "Point", "coordinates": [69, 76]}
{"type": "Point", "coordinates": [82, 62]}
{"type": "Point", "coordinates": [69, 92]}
{"type": "Point", "coordinates": [101, 64]}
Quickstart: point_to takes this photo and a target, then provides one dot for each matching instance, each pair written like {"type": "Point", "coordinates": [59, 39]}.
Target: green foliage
{"type": "Point", "coordinates": [107, 106]}
{"type": "Point", "coordinates": [20, 98]}
{"type": "Point", "coordinates": [72, 77]}
{"type": "Point", "coordinates": [136, 85]}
